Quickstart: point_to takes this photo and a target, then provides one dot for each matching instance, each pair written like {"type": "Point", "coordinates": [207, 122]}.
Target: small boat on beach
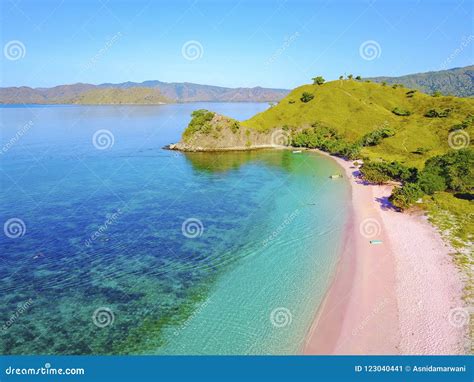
{"type": "Point", "coordinates": [297, 151]}
{"type": "Point", "coordinates": [376, 242]}
{"type": "Point", "coordinates": [336, 176]}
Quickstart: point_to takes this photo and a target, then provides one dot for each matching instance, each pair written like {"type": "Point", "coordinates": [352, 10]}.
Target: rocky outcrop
{"type": "Point", "coordinates": [209, 131]}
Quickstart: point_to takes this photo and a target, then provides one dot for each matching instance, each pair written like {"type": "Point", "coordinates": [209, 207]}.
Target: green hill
{"type": "Point", "coordinates": [121, 96]}
{"type": "Point", "coordinates": [352, 110]}
{"type": "Point", "coordinates": [355, 108]}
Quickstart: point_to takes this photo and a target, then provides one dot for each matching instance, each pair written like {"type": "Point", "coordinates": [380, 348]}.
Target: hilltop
{"type": "Point", "coordinates": [349, 111]}
{"type": "Point", "coordinates": [458, 81]}
{"type": "Point", "coordinates": [174, 92]}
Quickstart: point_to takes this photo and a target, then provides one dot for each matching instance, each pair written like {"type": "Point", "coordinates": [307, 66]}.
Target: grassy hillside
{"type": "Point", "coordinates": [121, 96]}
{"type": "Point", "coordinates": [458, 81]}
{"type": "Point", "coordinates": [355, 108]}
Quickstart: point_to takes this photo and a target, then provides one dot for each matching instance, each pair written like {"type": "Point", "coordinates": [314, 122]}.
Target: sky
{"type": "Point", "coordinates": [279, 44]}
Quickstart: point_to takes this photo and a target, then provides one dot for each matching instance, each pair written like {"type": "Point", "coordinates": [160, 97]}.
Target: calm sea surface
{"type": "Point", "coordinates": [112, 245]}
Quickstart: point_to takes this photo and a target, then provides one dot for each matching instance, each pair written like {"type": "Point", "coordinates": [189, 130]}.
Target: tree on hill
{"type": "Point", "coordinates": [319, 80]}
{"type": "Point", "coordinates": [358, 78]}
{"type": "Point", "coordinates": [350, 76]}
{"type": "Point", "coordinates": [341, 77]}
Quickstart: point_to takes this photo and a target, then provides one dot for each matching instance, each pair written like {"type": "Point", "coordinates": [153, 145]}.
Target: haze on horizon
{"type": "Point", "coordinates": [278, 44]}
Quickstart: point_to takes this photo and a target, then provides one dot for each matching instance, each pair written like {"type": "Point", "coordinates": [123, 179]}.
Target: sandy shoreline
{"type": "Point", "coordinates": [392, 298]}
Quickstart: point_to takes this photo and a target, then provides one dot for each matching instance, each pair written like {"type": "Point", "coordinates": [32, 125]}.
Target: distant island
{"type": "Point", "coordinates": [148, 92]}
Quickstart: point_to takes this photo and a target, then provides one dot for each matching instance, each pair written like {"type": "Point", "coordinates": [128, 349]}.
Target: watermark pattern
{"type": "Point", "coordinates": [14, 50]}
{"type": "Point", "coordinates": [21, 309]}
{"type": "Point", "coordinates": [280, 138]}
{"type": "Point", "coordinates": [281, 317]}
{"type": "Point", "coordinates": [111, 220]}
{"type": "Point", "coordinates": [191, 317]}
{"type": "Point", "coordinates": [103, 139]}
{"type": "Point", "coordinates": [14, 228]}
{"type": "Point", "coordinates": [458, 317]}
{"type": "Point", "coordinates": [102, 51]}
{"type": "Point", "coordinates": [103, 317]}
{"type": "Point", "coordinates": [370, 50]}
{"type": "Point", "coordinates": [377, 309]}
{"type": "Point", "coordinates": [459, 139]}
{"type": "Point", "coordinates": [192, 228]}
{"type": "Point", "coordinates": [192, 50]}
{"type": "Point", "coordinates": [466, 41]}
{"type": "Point", "coordinates": [288, 220]}
{"type": "Point", "coordinates": [286, 44]}
{"type": "Point", "coordinates": [370, 228]}
{"type": "Point", "coordinates": [22, 131]}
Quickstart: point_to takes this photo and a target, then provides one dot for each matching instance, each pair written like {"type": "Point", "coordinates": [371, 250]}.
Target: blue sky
{"type": "Point", "coordinates": [228, 43]}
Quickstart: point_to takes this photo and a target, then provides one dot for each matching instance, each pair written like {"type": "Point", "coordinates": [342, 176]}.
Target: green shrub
{"type": "Point", "coordinates": [403, 197]}
{"type": "Point", "coordinates": [382, 172]}
{"type": "Point", "coordinates": [358, 78]}
{"type": "Point", "coordinates": [326, 139]}
{"type": "Point", "coordinates": [235, 126]}
{"type": "Point", "coordinates": [435, 113]}
{"type": "Point", "coordinates": [199, 122]}
{"type": "Point", "coordinates": [306, 97]}
{"type": "Point", "coordinates": [401, 112]}
{"type": "Point", "coordinates": [410, 93]}
{"type": "Point", "coordinates": [318, 80]}
{"type": "Point", "coordinates": [456, 168]}
{"type": "Point", "coordinates": [430, 183]}
{"type": "Point", "coordinates": [375, 137]}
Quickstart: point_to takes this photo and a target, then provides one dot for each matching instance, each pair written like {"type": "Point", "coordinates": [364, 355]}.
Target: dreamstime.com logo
{"type": "Point", "coordinates": [192, 228]}
{"type": "Point", "coordinates": [14, 50]}
{"type": "Point", "coordinates": [370, 50]}
{"type": "Point", "coordinates": [459, 317]}
{"type": "Point", "coordinates": [281, 317]}
{"type": "Point", "coordinates": [459, 139]}
{"type": "Point", "coordinates": [103, 317]}
{"type": "Point", "coordinates": [14, 228]}
{"type": "Point", "coordinates": [370, 228]}
{"type": "Point", "coordinates": [44, 370]}
{"type": "Point", "coordinates": [192, 50]}
{"type": "Point", "coordinates": [103, 139]}
{"type": "Point", "coordinates": [280, 138]}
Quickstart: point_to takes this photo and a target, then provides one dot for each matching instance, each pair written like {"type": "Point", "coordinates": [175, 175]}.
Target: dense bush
{"type": "Point", "coordinates": [318, 80]}
{"type": "Point", "coordinates": [381, 172]}
{"type": "Point", "coordinates": [199, 122]}
{"type": "Point", "coordinates": [410, 93]}
{"type": "Point", "coordinates": [375, 137]}
{"type": "Point", "coordinates": [430, 183]}
{"type": "Point", "coordinates": [326, 139]}
{"type": "Point", "coordinates": [403, 197]}
{"type": "Point", "coordinates": [435, 113]}
{"type": "Point", "coordinates": [306, 97]}
{"type": "Point", "coordinates": [401, 112]}
{"type": "Point", "coordinates": [455, 167]}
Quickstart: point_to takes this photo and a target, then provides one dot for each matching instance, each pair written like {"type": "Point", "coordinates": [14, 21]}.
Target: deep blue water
{"type": "Point", "coordinates": [113, 245]}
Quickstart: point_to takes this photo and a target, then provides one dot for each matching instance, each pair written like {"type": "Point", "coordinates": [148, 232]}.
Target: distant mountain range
{"type": "Point", "coordinates": [147, 92]}
{"type": "Point", "coordinates": [458, 81]}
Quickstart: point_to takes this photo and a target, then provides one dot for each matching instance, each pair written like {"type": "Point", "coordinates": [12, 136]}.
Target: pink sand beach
{"type": "Point", "coordinates": [393, 297]}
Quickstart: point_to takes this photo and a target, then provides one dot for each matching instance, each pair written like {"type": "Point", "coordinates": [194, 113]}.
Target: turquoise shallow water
{"type": "Point", "coordinates": [135, 249]}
